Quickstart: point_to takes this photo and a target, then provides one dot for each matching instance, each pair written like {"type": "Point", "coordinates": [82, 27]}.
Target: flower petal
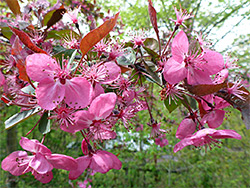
{"type": "Point", "coordinates": [180, 46]}
{"type": "Point", "coordinates": [44, 178]}
{"type": "Point", "coordinates": [215, 62]}
{"type": "Point", "coordinates": [33, 146]}
{"type": "Point", "coordinates": [16, 163]}
{"type": "Point", "coordinates": [186, 128]}
{"type": "Point", "coordinates": [104, 161]}
{"type": "Point", "coordinates": [41, 66]}
{"type": "Point", "coordinates": [174, 72]}
{"type": "Point", "coordinates": [103, 105]}
{"type": "Point", "coordinates": [60, 161]}
{"type": "Point", "coordinates": [78, 92]}
{"type": "Point", "coordinates": [50, 93]}
{"type": "Point", "coordinates": [219, 134]}
{"type": "Point", "coordinates": [40, 164]}
{"type": "Point", "coordinates": [83, 163]}
{"type": "Point", "coordinates": [113, 72]}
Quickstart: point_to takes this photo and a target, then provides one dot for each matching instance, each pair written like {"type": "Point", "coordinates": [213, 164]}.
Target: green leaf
{"type": "Point", "coordinates": [44, 124]}
{"type": "Point", "coordinates": [152, 73]}
{"type": "Point", "coordinates": [171, 104]}
{"type": "Point", "coordinates": [152, 44]}
{"type": "Point", "coordinates": [20, 117]}
{"type": "Point", "coordinates": [60, 52]}
{"type": "Point", "coordinates": [152, 53]}
{"type": "Point", "coordinates": [7, 33]}
{"type": "Point", "coordinates": [67, 33]}
{"type": "Point", "coordinates": [128, 58]}
{"type": "Point", "coordinates": [71, 60]}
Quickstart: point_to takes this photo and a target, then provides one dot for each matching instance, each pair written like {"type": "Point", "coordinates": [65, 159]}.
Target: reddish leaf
{"type": "Point", "coordinates": [26, 40]}
{"type": "Point", "coordinates": [94, 36]}
{"type": "Point", "coordinates": [20, 64]}
{"type": "Point", "coordinates": [124, 69]}
{"type": "Point", "coordinates": [153, 18]}
{"type": "Point", "coordinates": [53, 16]}
{"type": "Point", "coordinates": [14, 6]}
{"type": "Point", "coordinates": [152, 15]}
{"type": "Point", "coordinates": [204, 89]}
{"type": "Point", "coordinates": [16, 47]}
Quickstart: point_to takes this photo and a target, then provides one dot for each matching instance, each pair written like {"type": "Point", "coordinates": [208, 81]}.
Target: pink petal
{"type": "Point", "coordinates": [83, 163]}
{"type": "Point", "coordinates": [103, 105]}
{"type": "Point", "coordinates": [113, 71]}
{"type": "Point", "coordinates": [60, 161]}
{"type": "Point", "coordinates": [33, 146]}
{"type": "Point", "coordinates": [221, 76]}
{"type": "Point", "coordinates": [104, 134]}
{"type": "Point", "coordinates": [104, 161]}
{"type": "Point", "coordinates": [40, 164]}
{"type": "Point", "coordinates": [78, 92]}
{"type": "Point", "coordinates": [41, 66]}
{"type": "Point", "coordinates": [2, 79]}
{"type": "Point", "coordinates": [214, 118]}
{"type": "Point", "coordinates": [195, 77]}
{"type": "Point", "coordinates": [219, 134]}
{"type": "Point", "coordinates": [180, 46]}
{"type": "Point", "coordinates": [174, 72]}
{"type": "Point", "coordinates": [83, 119]}
{"type": "Point", "coordinates": [50, 93]}
{"type": "Point", "coordinates": [44, 178]}
{"type": "Point", "coordinates": [16, 163]}
{"type": "Point", "coordinates": [186, 128]}
{"type": "Point", "coordinates": [183, 143]}
{"type": "Point", "coordinates": [215, 62]}
{"type": "Point", "coordinates": [97, 90]}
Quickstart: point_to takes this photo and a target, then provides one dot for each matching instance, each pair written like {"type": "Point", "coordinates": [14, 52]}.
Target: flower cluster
{"type": "Point", "coordinates": [92, 84]}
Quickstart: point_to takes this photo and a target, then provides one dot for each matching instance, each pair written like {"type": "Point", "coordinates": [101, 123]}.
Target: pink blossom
{"type": "Point", "coordinates": [197, 68]}
{"type": "Point", "coordinates": [40, 163]}
{"type": "Point", "coordinates": [99, 161]}
{"type": "Point", "coordinates": [102, 73]}
{"type": "Point", "coordinates": [181, 16]}
{"type": "Point", "coordinates": [56, 84]}
{"type": "Point", "coordinates": [161, 140]}
{"type": "Point", "coordinates": [73, 14]}
{"type": "Point", "coordinates": [95, 117]}
{"type": "Point", "coordinates": [100, 48]}
{"type": "Point", "coordinates": [236, 90]}
{"type": "Point", "coordinates": [65, 117]}
{"type": "Point", "coordinates": [213, 118]}
{"type": "Point", "coordinates": [156, 130]}
{"type": "Point", "coordinates": [206, 137]}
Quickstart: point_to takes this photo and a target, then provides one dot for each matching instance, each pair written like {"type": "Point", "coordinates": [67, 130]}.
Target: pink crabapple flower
{"type": "Point", "coordinates": [161, 140]}
{"type": "Point", "coordinates": [181, 16]}
{"type": "Point", "coordinates": [95, 117]}
{"type": "Point", "coordinates": [99, 161]}
{"type": "Point", "coordinates": [56, 84]}
{"type": "Point", "coordinates": [72, 15]}
{"type": "Point", "coordinates": [40, 163]}
{"type": "Point", "coordinates": [197, 68]}
{"type": "Point", "coordinates": [206, 137]}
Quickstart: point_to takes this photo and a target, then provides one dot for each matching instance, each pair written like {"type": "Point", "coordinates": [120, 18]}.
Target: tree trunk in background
{"type": "Point", "coordinates": [11, 146]}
